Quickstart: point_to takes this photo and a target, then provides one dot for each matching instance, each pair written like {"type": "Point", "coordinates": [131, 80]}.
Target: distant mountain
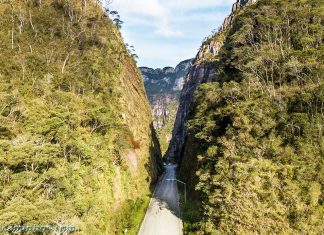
{"type": "Point", "coordinates": [165, 81]}
{"type": "Point", "coordinates": [163, 87]}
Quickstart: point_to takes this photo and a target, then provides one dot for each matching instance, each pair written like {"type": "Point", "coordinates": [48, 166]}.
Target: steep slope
{"type": "Point", "coordinates": [252, 153]}
{"type": "Point", "coordinates": [74, 149]}
{"type": "Point", "coordinates": [202, 71]}
{"type": "Point", "coordinates": [163, 87]}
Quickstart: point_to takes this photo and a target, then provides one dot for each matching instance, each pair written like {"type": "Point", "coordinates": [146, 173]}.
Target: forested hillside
{"type": "Point", "coordinates": [74, 150]}
{"type": "Point", "coordinates": [253, 156]}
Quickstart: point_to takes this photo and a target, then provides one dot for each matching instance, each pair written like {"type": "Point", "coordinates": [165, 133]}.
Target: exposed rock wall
{"type": "Point", "coordinates": [238, 5]}
{"type": "Point", "coordinates": [160, 110]}
{"type": "Point", "coordinates": [163, 87]}
{"type": "Point", "coordinates": [213, 46]}
{"type": "Point", "coordinates": [199, 73]}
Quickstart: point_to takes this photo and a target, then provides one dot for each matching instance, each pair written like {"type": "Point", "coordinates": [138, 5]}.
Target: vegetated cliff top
{"type": "Point", "coordinates": [71, 140]}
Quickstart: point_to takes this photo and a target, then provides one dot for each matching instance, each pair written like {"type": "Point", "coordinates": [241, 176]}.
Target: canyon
{"type": "Point", "coordinates": [89, 139]}
{"type": "Point", "coordinates": [163, 87]}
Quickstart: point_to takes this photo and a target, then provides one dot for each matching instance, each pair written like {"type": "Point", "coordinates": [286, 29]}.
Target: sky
{"type": "Point", "coordinates": [166, 32]}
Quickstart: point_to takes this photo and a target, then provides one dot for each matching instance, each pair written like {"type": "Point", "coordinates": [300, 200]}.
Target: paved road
{"type": "Point", "coordinates": [162, 216]}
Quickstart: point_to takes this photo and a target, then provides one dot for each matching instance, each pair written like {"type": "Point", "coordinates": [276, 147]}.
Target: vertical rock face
{"type": "Point", "coordinates": [163, 87]}
{"type": "Point", "coordinates": [211, 47]}
{"type": "Point", "coordinates": [196, 75]}
{"type": "Point", "coordinates": [200, 72]}
{"type": "Point", "coordinates": [239, 4]}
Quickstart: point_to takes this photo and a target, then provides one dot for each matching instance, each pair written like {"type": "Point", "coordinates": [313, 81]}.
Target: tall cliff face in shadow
{"type": "Point", "coordinates": [77, 146]}
{"type": "Point", "coordinates": [252, 150]}
{"type": "Point", "coordinates": [163, 87]}
{"type": "Point", "coordinates": [201, 71]}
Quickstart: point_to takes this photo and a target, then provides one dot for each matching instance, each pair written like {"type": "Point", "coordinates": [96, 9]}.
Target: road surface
{"type": "Point", "coordinates": [163, 214]}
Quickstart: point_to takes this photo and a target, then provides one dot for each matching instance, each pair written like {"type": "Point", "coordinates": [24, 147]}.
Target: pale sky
{"type": "Point", "coordinates": [166, 32]}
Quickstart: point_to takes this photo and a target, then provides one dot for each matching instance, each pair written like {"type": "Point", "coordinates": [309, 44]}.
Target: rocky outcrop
{"type": "Point", "coordinates": [199, 73]}
{"type": "Point", "coordinates": [238, 5]}
{"type": "Point", "coordinates": [160, 109]}
{"type": "Point", "coordinates": [211, 46]}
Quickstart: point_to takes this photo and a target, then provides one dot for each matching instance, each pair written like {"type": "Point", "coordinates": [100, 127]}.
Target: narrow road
{"type": "Point", "coordinates": [163, 214]}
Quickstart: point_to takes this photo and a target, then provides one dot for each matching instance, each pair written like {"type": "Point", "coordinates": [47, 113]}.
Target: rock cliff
{"type": "Point", "coordinates": [201, 71]}
{"type": "Point", "coordinates": [163, 87]}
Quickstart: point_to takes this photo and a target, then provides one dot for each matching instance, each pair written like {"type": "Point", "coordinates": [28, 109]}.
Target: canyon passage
{"type": "Point", "coordinates": [229, 141]}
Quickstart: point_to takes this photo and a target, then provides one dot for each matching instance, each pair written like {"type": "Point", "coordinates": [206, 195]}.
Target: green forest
{"type": "Point", "coordinates": [254, 154]}
{"type": "Point", "coordinates": [73, 150]}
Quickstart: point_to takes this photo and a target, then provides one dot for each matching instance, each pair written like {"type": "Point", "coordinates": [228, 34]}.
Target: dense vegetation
{"type": "Point", "coordinates": [73, 149]}
{"type": "Point", "coordinates": [255, 148]}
